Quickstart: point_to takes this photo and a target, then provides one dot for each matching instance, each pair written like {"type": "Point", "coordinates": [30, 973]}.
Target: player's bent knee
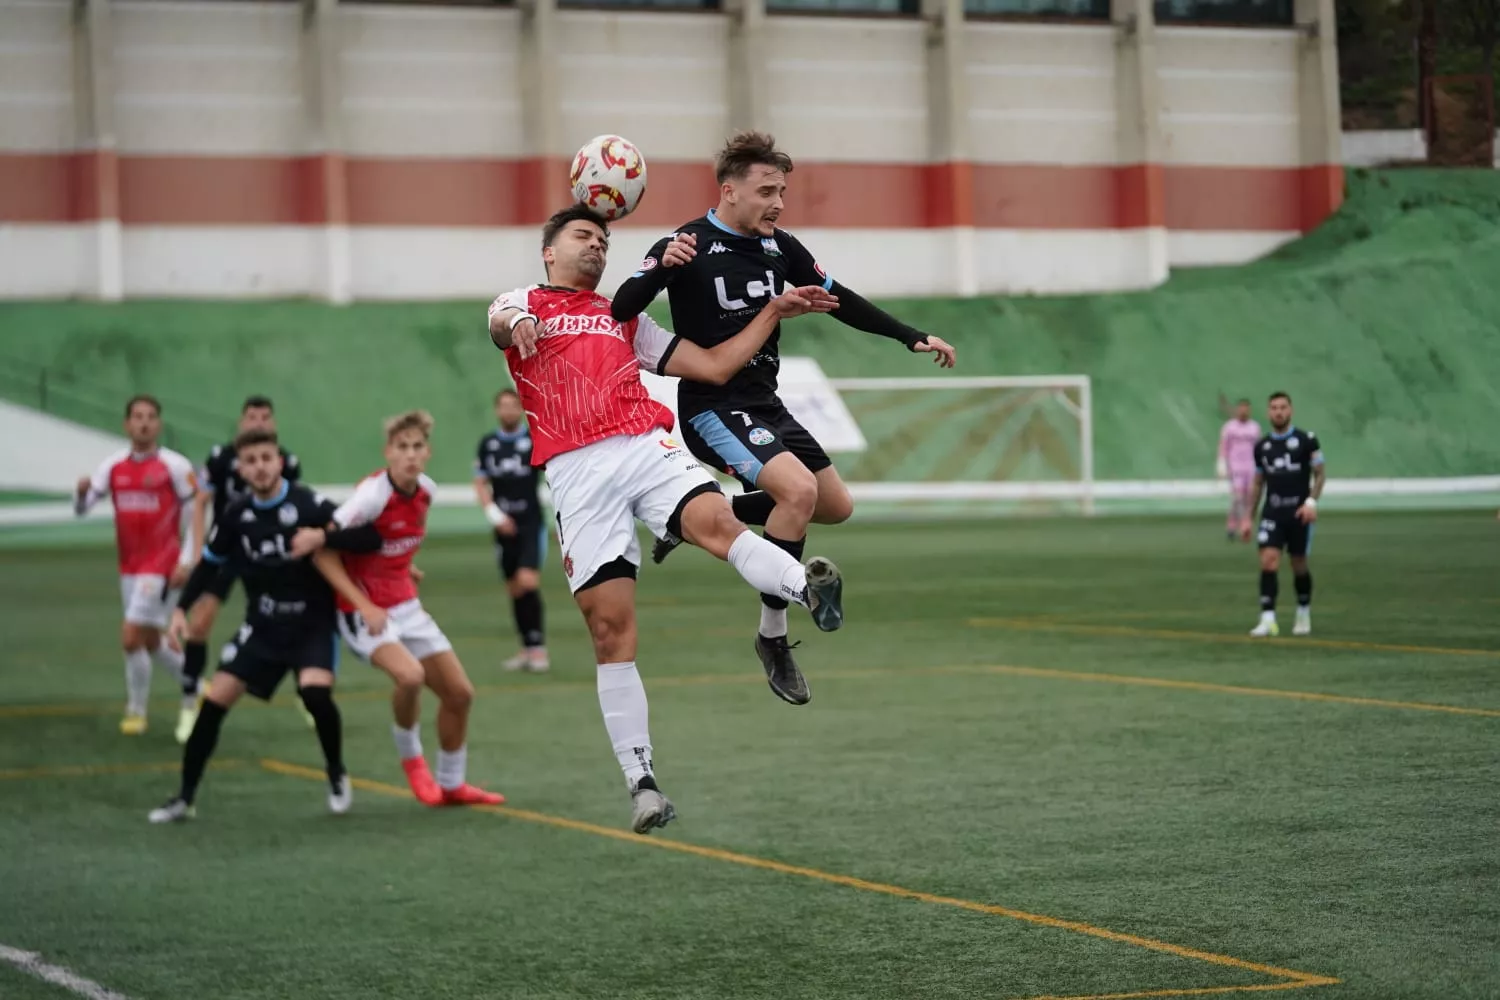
{"type": "Point", "coordinates": [834, 510]}
{"type": "Point", "coordinates": [709, 523]}
{"type": "Point", "coordinates": [458, 696]}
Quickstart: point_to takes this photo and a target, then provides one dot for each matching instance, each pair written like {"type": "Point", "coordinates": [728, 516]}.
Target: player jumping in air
{"type": "Point", "coordinates": [222, 484]}
{"type": "Point", "coordinates": [383, 620]}
{"type": "Point", "coordinates": [1289, 464]}
{"type": "Point", "coordinates": [719, 271]}
{"type": "Point", "coordinates": [150, 486]}
{"type": "Point", "coordinates": [505, 484]}
{"type": "Point", "coordinates": [610, 461]}
{"type": "Point", "coordinates": [1237, 441]}
{"type": "Point", "coordinates": [289, 620]}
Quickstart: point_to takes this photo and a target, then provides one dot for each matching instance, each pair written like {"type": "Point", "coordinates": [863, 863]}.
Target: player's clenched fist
{"type": "Point", "coordinates": [682, 249]}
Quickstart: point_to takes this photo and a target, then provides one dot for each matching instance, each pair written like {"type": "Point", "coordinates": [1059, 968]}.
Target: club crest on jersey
{"type": "Point", "coordinates": [1292, 444]}
{"type": "Point", "coordinates": [287, 515]}
{"type": "Point", "coordinates": [760, 436]}
{"type": "Point", "coordinates": [768, 244]}
{"type": "Point", "coordinates": [645, 265]}
{"type": "Point", "coordinates": [523, 444]}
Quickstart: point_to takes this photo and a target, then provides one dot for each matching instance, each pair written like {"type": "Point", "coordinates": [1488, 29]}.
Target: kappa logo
{"type": "Point", "coordinates": [248, 515]}
{"type": "Point", "coordinates": [718, 248]}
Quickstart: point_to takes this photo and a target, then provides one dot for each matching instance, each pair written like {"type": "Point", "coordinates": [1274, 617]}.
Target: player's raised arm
{"type": "Point", "coordinates": [860, 313]}
{"type": "Point", "coordinates": [670, 355]}
{"type": "Point", "coordinates": [652, 275]}
{"type": "Point", "coordinates": [92, 489]}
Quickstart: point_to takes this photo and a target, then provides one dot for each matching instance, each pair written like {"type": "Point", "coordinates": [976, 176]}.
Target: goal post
{"type": "Point", "coordinates": [1024, 440]}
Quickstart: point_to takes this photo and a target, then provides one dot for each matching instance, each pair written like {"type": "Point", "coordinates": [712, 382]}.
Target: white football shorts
{"type": "Point", "coordinates": [407, 623]}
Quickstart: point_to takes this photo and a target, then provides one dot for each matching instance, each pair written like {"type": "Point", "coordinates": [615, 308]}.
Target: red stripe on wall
{"type": "Point", "coordinates": [265, 191]}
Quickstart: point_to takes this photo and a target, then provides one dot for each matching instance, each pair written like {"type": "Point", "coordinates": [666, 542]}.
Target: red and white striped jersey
{"type": "Point", "coordinates": [149, 491]}
{"type": "Point", "coordinates": [584, 382]}
{"type": "Point", "coordinates": [401, 519]}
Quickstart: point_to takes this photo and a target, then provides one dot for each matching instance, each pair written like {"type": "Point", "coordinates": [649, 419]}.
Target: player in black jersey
{"type": "Point", "coordinates": [719, 270]}
{"type": "Point", "coordinates": [289, 614]}
{"type": "Point", "coordinates": [505, 483]}
{"type": "Point", "coordinates": [1289, 464]}
{"type": "Point", "coordinates": [222, 485]}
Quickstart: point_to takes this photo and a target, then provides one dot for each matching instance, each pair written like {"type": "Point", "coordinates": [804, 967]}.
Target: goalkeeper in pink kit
{"type": "Point", "coordinates": [1237, 462]}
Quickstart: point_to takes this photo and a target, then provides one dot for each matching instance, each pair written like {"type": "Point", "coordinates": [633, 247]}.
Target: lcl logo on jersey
{"type": "Point", "coordinates": [753, 290]}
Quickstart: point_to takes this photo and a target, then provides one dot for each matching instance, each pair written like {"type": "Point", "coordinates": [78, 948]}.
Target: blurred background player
{"type": "Point", "coordinates": [223, 484]}
{"type": "Point", "coordinates": [1237, 440]}
{"type": "Point", "coordinates": [603, 441]}
{"type": "Point", "coordinates": [382, 619]}
{"type": "Point", "coordinates": [505, 483]}
{"type": "Point", "coordinates": [719, 269]}
{"type": "Point", "coordinates": [150, 487]}
{"type": "Point", "coordinates": [1289, 464]}
{"type": "Point", "coordinates": [289, 619]}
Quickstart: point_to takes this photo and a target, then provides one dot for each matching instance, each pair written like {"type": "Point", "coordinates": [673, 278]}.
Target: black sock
{"type": "Point", "coordinates": [753, 508]}
{"type": "Point", "coordinates": [528, 611]}
{"type": "Point", "coordinates": [1303, 583]}
{"type": "Point", "coordinates": [200, 747]}
{"type": "Point", "coordinates": [194, 659]}
{"type": "Point", "coordinates": [793, 549]}
{"type": "Point", "coordinates": [1268, 590]}
{"type": "Point", "coordinates": [319, 702]}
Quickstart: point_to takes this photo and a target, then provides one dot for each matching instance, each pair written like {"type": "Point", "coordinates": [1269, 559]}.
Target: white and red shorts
{"type": "Point", "coordinates": [147, 600]}
{"type": "Point", "coordinates": [602, 489]}
{"type": "Point", "coordinates": [407, 623]}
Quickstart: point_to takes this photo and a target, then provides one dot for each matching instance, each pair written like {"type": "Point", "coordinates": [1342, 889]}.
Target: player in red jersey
{"type": "Point", "coordinates": [151, 488]}
{"type": "Point", "coordinates": [383, 620]}
{"type": "Point", "coordinates": [610, 460]}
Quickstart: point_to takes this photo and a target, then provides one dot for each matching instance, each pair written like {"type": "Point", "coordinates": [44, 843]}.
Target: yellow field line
{"type": "Point", "coordinates": [90, 770]}
{"type": "Point", "coordinates": [1295, 984]}
{"type": "Point", "coordinates": [1166, 682]}
{"type": "Point", "coordinates": [1032, 625]}
{"type": "Point", "coordinates": [750, 861]}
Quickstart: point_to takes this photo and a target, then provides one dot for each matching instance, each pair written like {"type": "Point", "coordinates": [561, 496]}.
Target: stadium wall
{"type": "Point", "coordinates": [205, 149]}
{"type": "Point", "coordinates": [1381, 325]}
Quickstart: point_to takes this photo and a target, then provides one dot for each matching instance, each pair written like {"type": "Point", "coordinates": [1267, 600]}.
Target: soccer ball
{"type": "Point", "coordinates": [609, 176]}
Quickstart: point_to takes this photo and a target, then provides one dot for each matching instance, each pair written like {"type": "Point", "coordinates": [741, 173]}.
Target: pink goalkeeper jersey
{"type": "Point", "coordinates": [1237, 446]}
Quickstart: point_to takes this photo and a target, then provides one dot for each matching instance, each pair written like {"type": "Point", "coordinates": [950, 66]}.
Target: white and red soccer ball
{"type": "Point", "coordinates": [609, 176]}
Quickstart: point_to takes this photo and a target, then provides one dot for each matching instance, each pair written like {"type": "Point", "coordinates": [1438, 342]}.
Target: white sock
{"type": "Point", "coordinates": [170, 660]}
{"type": "Point", "coordinates": [452, 767]}
{"type": "Point", "coordinates": [1268, 616]}
{"type": "Point", "coordinates": [772, 622]}
{"type": "Point", "coordinates": [409, 741]}
{"type": "Point", "coordinates": [622, 699]}
{"type": "Point", "coordinates": [768, 569]}
{"type": "Point", "coordinates": [137, 681]}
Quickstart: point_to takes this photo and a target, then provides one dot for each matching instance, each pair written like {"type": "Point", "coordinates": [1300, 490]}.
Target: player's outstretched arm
{"type": "Point", "coordinates": [652, 275]}
{"type": "Point", "coordinates": [862, 314]}
{"type": "Point", "coordinates": [332, 569]}
{"type": "Point", "coordinates": [718, 364]}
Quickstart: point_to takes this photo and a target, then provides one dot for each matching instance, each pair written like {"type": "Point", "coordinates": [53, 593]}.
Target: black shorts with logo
{"type": "Point", "coordinates": [261, 657]}
{"type": "Point", "coordinates": [1284, 531]}
{"type": "Point", "coordinates": [741, 438]}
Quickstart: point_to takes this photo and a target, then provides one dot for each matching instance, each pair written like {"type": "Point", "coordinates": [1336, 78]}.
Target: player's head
{"type": "Point", "coordinates": [575, 246]}
{"type": "Point", "coordinates": [1279, 411]}
{"type": "Point", "coordinates": [143, 421]}
{"type": "Point", "coordinates": [1242, 410]}
{"type": "Point", "coordinates": [257, 411]}
{"type": "Point", "coordinates": [752, 180]}
{"type": "Point", "coordinates": [508, 409]}
{"type": "Point", "coordinates": [258, 460]}
{"type": "Point", "coordinates": [408, 446]}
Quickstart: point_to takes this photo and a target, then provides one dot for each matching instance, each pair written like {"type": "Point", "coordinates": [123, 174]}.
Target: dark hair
{"type": "Point", "coordinates": [1243, 402]}
{"type": "Point", "coordinates": [1278, 395]}
{"type": "Point", "coordinates": [255, 435]}
{"type": "Point", "coordinates": [506, 392]}
{"type": "Point", "coordinates": [142, 397]}
{"type": "Point", "coordinates": [257, 403]}
{"type": "Point", "coordinates": [573, 213]}
{"type": "Point", "coordinates": [744, 150]}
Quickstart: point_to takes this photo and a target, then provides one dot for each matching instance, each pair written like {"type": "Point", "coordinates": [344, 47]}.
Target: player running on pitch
{"type": "Point", "coordinates": [383, 620]}
{"type": "Point", "coordinates": [610, 461]}
{"type": "Point", "coordinates": [289, 621]}
{"type": "Point", "coordinates": [719, 270]}
{"type": "Point", "coordinates": [1289, 464]}
{"type": "Point", "coordinates": [150, 486]}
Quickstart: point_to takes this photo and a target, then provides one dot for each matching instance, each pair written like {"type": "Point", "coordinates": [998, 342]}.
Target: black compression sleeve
{"type": "Point", "coordinates": [203, 575]}
{"type": "Point", "coordinates": [636, 292]}
{"type": "Point", "coordinates": [365, 538]}
{"type": "Point", "coordinates": [862, 314]}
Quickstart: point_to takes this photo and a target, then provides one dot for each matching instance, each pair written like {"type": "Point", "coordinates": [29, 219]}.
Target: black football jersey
{"type": "Point", "coordinates": [253, 540]}
{"type": "Point", "coordinates": [1285, 462]}
{"type": "Point", "coordinates": [505, 460]}
{"type": "Point", "coordinates": [718, 293]}
{"type": "Point", "coordinates": [222, 477]}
